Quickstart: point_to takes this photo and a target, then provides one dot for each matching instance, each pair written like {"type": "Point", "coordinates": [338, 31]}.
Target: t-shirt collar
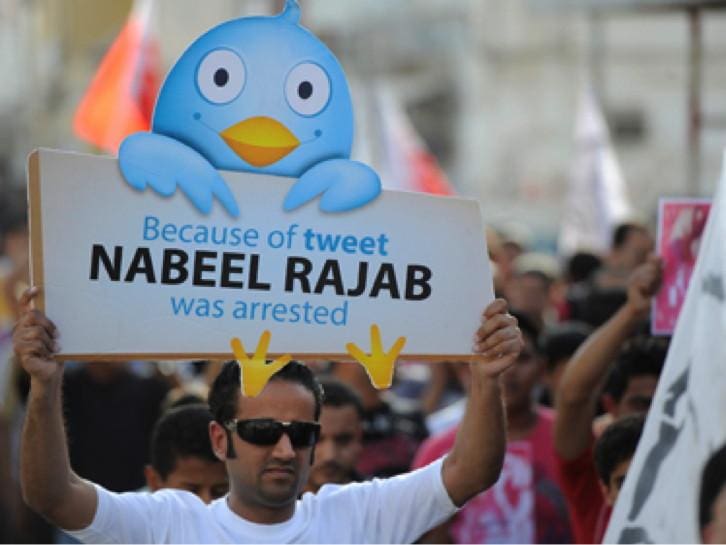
{"type": "Point", "coordinates": [244, 530]}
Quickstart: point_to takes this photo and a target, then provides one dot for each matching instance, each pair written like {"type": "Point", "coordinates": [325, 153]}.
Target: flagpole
{"type": "Point", "coordinates": [693, 172]}
{"type": "Point", "coordinates": [596, 55]}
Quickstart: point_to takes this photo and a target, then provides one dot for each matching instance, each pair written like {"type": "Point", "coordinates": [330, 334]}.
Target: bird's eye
{"type": "Point", "coordinates": [221, 76]}
{"type": "Point", "coordinates": [307, 89]}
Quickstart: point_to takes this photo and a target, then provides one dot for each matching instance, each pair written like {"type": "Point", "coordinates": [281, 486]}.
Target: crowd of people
{"type": "Point", "coordinates": [321, 454]}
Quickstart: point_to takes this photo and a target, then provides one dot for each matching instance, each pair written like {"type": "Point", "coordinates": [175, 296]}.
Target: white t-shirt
{"type": "Point", "coordinates": [395, 510]}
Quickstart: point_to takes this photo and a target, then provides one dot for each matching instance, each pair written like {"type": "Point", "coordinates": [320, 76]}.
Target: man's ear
{"type": "Point", "coordinates": [153, 480]}
{"type": "Point", "coordinates": [604, 489]}
{"type": "Point", "coordinates": [218, 438]}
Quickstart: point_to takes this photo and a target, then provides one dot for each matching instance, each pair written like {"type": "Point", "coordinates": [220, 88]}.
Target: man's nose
{"type": "Point", "coordinates": [283, 448]}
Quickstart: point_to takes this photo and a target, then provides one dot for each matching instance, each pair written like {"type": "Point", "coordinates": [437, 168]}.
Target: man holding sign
{"type": "Point", "coordinates": [267, 444]}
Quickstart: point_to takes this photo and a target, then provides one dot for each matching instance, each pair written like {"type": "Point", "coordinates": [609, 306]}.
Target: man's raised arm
{"type": "Point", "coordinates": [49, 485]}
{"type": "Point", "coordinates": [587, 370]}
{"type": "Point", "coordinates": [475, 462]}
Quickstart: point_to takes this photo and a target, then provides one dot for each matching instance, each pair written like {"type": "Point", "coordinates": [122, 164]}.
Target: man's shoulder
{"type": "Point", "coordinates": [179, 495]}
{"type": "Point", "coordinates": [341, 502]}
{"type": "Point", "coordinates": [396, 509]}
{"type": "Point", "coordinates": [168, 504]}
{"type": "Point", "coordinates": [171, 498]}
{"type": "Point", "coordinates": [335, 492]}
{"type": "Point", "coordinates": [164, 516]}
{"type": "Point", "coordinates": [176, 494]}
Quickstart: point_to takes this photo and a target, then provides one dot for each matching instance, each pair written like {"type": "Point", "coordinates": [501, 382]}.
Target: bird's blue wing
{"type": "Point", "coordinates": [162, 163]}
{"type": "Point", "coordinates": [343, 184]}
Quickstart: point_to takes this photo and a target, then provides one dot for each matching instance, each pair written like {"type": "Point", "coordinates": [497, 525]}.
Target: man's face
{"type": "Point", "coordinates": [715, 531]}
{"type": "Point", "coordinates": [339, 447]}
{"type": "Point", "coordinates": [636, 248]}
{"type": "Point", "coordinates": [529, 293]}
{"type": "Point", "coordinates": [521, 378]}
{"type": "Point", "coordinates": [637, 396]}
{"type": "Point", "coordinates": [205, 478]}
{"type": "Point", "coordinates": [269, 476]}
{"type": "Point", "coordinates": [612, 489]}
{"type": "Point", "coordinates": [508, 252]}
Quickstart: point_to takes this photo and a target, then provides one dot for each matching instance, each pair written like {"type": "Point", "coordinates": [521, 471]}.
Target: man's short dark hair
{"type": "Point", "coordinates": [713, 481]}
{"type": "Point", "coordinates": [562, 341]}
{"type": "Point", "coordinates": [622, 232]}
{"type": "Point", "coordinates": [339, 394]}
{"type": "Point", "coordinates": [617, 444]}
{"type": "Point", "coordinates": [226, 389]}
{"type": "Point", "coordinates": [599, 304]}
{"type": "Point", "coordinates": [581, 266]}
{"type": "Point", "coordinates": [643, 355]}
{"type": "Point", "coordinates": [180, 433]}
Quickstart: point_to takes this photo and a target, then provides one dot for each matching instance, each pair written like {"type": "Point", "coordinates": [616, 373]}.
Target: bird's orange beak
{"type": "Point", "coordinates": [260, 141]}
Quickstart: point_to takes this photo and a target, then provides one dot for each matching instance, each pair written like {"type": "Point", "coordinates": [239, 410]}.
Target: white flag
{"type": "Point", "coordinates": [659, 501]}
{"type": "Point", "coordinates": [597, 200]}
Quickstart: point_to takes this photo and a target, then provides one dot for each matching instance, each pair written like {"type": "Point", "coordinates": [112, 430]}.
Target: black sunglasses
{"type": "Point", "coordinates": [267, 432]}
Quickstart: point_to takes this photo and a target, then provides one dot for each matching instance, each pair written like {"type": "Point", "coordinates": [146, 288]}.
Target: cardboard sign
{"type": "Point", "coordinates": [129, 274]}
{"type": "Point", "coordinates": [680, 226]}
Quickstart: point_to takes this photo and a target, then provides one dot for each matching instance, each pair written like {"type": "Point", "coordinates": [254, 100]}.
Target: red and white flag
{"type": "Point", "coordinates": [405, 161]}
{"type": "Point", "coordinates": [120, 99]}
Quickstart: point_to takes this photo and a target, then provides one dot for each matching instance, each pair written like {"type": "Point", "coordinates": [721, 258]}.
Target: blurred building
{"type": "Point", "coordinates": [491, 85]}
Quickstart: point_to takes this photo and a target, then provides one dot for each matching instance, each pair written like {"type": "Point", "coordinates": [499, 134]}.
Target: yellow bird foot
{"type": "Point", "coordinates": [379, 365]}
{"type": "Point", "coordinates": [256, 371]}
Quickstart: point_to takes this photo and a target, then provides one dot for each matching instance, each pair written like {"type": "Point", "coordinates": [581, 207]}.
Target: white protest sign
{"type": "Point", "coordinates": [130, 274]}
{"type": "Point", "coordinates": [659, 501]}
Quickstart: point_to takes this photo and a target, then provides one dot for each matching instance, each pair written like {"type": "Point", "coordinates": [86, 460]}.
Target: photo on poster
{"type": "Point", "coordinates": [681, 222]}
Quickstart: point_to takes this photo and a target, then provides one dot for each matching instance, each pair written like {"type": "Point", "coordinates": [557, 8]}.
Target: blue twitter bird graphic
{"type": "Point", "coordinates": [257, 94]}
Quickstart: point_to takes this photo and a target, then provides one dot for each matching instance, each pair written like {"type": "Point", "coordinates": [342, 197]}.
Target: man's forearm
{"type": "Point", "coordinates": [583, 377]}
{"type": "Point", "coordinates": [589, 366]}
{"type": "Point", "coordinates": [475, 462]}
{"type": "Point", "coordinates": [49, 485]}
{"type": "Point", "coordinates": [44, 468]}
